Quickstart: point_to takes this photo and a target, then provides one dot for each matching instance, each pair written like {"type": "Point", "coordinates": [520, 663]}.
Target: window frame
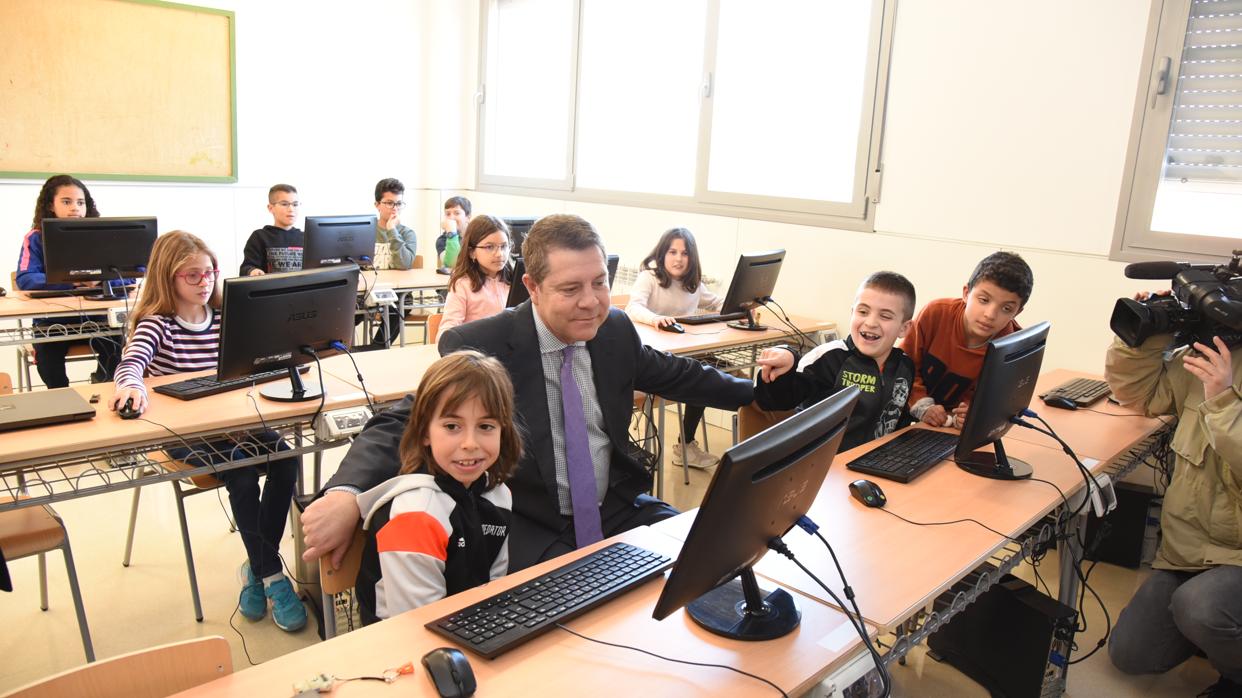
{"type": "Point", "coordinates": [1133, 239]}
{"type": "Point", "coordinates": [857, 215]}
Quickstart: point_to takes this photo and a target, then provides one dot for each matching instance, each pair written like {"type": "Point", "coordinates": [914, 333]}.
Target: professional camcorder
{"type": "Point", "coordinates": [1206, 302]}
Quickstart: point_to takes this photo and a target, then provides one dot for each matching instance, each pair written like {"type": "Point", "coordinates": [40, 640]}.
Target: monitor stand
{"type": "Point", "coordinates": [750, 325]}
{"type": "Point", "coordinates": [295, 390]}
{"type": "Point", "coordinates": [108, 292]}
{"type": "Point", "coordinates": [997, 465]}
{"type": "Point", "coordinates": [735, 610]}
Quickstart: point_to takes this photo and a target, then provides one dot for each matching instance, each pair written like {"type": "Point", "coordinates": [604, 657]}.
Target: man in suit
{"type": "Point", "coordinates": [575, 363]}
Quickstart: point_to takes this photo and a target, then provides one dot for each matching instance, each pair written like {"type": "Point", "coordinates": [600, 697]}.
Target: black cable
{"type": "Point", "coordinates": [670, 659]}
{"type": "Point", "coordinates": [323, 389]}
{"type": "Point", "coordinates": [1108, 620]}
{"type": "Point", "coordinates": [803, 339]}
{"type": "Point", "coordinates": [1088, 480]}
{"type": "Point", "coordinates": [357, 371]}
{"type": "Point", "coordinates": [947, 523]}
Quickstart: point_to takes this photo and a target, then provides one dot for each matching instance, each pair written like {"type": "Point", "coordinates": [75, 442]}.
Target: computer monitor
{"type": "Point", "coordinates": [761, 488]}
{"type": "Point", "coordinates": [754, 281]}
{"type": "Point", "coordinates": [517, 289]}
{"type": "Point", "coordinates": [1005, 387]}
{"type": "Point", "coordinates": [97, 249]}
{"type": "Point", "coordinates": [267, 321]}
{"type": "Point", "coordinates": [331, 240]}
{"type": "Point", "coordinates": [518, 227]}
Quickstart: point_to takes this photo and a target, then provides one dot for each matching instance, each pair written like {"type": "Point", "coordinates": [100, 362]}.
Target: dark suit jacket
{"type": "Point", "coordinates": [621, 364]}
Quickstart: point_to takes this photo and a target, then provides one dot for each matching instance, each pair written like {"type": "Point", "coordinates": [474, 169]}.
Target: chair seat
{"type": "Point", "coordinates": [76, 349]}
{"type": "Point", "coordinates": [204, 482]}
{"type": "Point", "coordinates": [28, 531]}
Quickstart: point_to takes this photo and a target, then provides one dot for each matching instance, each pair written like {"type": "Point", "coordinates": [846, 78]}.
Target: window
{"type": "Point", "coordinates": [1183, 194]}
{"type": "Point", "coordinates": [767, 110]}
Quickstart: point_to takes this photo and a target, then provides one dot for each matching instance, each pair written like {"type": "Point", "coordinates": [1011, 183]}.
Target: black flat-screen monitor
{"type": "Point", "coordinates": [518, 227]}
{"type": "Point", "coordinates": [331, 240]}
{"type": "Point", "coordinates": [97, 249]}
{"type": "Point", "coordinates": [271, 322]}
{"type": "Point", "coordinates": [754, 282]}
{"type": "Point", "coordinates": [761, 488]}
{"type": "Point", "coordinates": [517, 289]}
{"type": "Point", "coordinates": [1005, 387]}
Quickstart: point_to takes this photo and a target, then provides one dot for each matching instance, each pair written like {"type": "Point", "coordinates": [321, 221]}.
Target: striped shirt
{"type": "Point", "coordinates": [165, 344]}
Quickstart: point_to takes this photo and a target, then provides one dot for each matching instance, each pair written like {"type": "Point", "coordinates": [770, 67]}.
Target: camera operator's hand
{"type": "Point", "coordinates": [1143, 296]}
{"type": "Point", "coordinates": [1214, 368]}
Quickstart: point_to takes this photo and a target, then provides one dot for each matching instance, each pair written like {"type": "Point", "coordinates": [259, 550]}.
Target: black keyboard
{"type": "Point", "coordinates": [1083, 391]}
{"type": "Point", "coordinates": [194, 388]}
{"type": "Point", "coordinates": [906, 457]}
{"type": "Point", "coordinates": [77, 291]}
{"type": "Point", "coordinates": [715, 317]}
{"type": "Point", "coordinates": [499, 623]}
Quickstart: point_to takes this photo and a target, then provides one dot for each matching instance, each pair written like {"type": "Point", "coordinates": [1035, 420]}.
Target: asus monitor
{"type": "Point", "coordinates": [109, 250]}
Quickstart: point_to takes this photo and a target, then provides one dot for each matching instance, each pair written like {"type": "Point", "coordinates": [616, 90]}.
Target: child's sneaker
{"type": "Point", "coordinates": [693, 456]}
{"type": "Point", "coordinates": [253, 603]}
{"type": "Point", "coordinates": [287, 609]}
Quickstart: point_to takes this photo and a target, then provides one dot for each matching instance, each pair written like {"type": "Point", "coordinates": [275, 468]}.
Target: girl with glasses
{"type": "Point", "coordinates": [175, 327]}
{"type": "Point", "coordinates": [480, 282]}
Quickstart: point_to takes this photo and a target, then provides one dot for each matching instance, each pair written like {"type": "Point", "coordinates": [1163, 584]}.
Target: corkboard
{"type": "Point", "coordinates": [117, 89]}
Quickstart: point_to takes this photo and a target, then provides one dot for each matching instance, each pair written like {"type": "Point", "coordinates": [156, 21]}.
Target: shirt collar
{"type": "Point", "coordinates": [548, 342]}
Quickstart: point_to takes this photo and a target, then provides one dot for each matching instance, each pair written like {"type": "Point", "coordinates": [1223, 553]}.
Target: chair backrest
{"type": "Point", "coordinates": [6, 384]}
{"type": "Point", "coordinates": [418, 262]}
{"type": "Point", "coordinates": [751, 420]}
{"type": "Point", "coordinates": [433, 327]}
{"type": "Point", "coordinates": [336, 581]}
{"type": "Point", "coordinates": [156, 671]}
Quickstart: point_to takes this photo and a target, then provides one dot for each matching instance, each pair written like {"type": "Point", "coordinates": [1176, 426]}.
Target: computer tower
{"type": "Point", "coordinates": [1013, 640]}
{"type": "Point", "coordinates": [1127, 528]}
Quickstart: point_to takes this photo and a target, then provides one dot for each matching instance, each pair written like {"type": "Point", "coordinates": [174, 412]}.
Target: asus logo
{"type": "Point", "coordinates": [302, 315]}
{"type": "Point", "coordinates": [260, 361]}
{"type": "Point", "coordinates": [791, 495]}
{"type": "Point", "coordinates": [346, 237]}
{"type": "Point", "coordinates": [1024, 381]}
{"type": "Point", "coordinates": [85, 272]}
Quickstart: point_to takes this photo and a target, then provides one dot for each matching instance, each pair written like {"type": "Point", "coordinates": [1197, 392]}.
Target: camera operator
{"type": "Point", "coordinates": [1193, 598]}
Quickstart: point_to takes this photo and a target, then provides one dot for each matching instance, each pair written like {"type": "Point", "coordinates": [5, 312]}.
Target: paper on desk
{"type": "Point", "coordinates": [840, 637]}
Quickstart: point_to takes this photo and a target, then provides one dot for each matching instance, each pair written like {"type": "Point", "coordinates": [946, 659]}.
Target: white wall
{"type": "Point", "coordinates": [1007, 128]}
{"type": "Point", "coordinates": [997, 136]}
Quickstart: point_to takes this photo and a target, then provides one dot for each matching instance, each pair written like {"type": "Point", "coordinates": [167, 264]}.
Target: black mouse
{"type": "Point", "coordinates": [450, 672]}
{"type": "Point", "coordinates": [673, 327]}
{"type": "Point", "coordinates": [127, 410]}
{"type": "Point", "coordinates": [868, 493]}
{"type": "Point", "coordinates": [1060, 402]}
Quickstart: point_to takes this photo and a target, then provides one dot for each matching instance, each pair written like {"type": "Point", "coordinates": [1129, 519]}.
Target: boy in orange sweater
{"type": "Point", "coordinates": [950, 337]}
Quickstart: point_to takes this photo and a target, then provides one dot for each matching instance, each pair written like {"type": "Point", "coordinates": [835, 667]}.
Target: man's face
{"type": "Point", "coordinates": [573, 298]}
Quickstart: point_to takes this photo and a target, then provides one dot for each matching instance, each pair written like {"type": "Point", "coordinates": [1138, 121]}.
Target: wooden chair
{"type": "Point", "coordinates": [197, 485]}
{"type": "Point", "coordinates": [37, 531]}
{"type": "Point", "coordinates": [751, 420]}
{"type": "Point", "coordinates": [79, 351]}
{"type": "Point", "coordinates": [433, 327]}
{"type": "Point", "coordinates": [148, 673]}
{"type": "Point", "coordinates": [421, 316]}
{"type": "Point", "coordinates": [333, 582]}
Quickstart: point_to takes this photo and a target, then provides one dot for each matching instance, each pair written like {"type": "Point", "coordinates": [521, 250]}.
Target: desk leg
{"type": "Point", "coordinates": [658, 403]}
{"type": "Point", "coordinates": [1068, 553]}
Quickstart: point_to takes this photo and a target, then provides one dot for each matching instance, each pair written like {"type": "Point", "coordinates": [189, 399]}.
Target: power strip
{"type": "Point", "coordinates": [335, 425]}
{"type": "Point", "coordinates": [117, 317]}
{"type": "Point", "coordinates": [381, 294]}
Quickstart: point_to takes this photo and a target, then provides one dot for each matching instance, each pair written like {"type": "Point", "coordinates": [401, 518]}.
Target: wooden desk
{"type": "Point", "coordinates": [560, 664]}
{"type": "Point", "coordinates": [18, 307]}
{"type": "Point", "coordinates": [390, 374]}
{"type": "Point", "coordinates": [704, 339]}
{"type": "Point", "coordinates": [1100, 432]}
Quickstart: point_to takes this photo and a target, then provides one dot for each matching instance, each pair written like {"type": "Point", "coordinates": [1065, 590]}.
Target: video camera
{"type": "Point", "coordinates": [1206, 302]}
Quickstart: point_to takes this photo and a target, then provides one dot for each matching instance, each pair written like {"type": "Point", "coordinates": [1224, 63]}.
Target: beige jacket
{"type": "Point", "coordinates": [1202, 515]}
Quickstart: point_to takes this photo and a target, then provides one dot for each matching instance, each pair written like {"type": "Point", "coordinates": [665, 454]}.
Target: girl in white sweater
{"type": "Point", "coordinates": [669, 286]}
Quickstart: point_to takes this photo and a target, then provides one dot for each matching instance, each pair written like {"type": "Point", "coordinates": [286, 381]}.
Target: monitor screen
{"type": "Point", "coordinates": [97, 249]}
{"type": "Point", "coordinates": [517, 289]}
{"type": "Point", "coordinates": [266, 321]}
{"type": "Point", "coordinates": [1005, 387]}
{"type": "Point", "coordinates": [333, 240]}
{"type": "Point", "coordinates": [761, 488]}
{"type": "Point", "coordinates": [518, 227]}
{"type": "Point", "coordinates": [754, 280]}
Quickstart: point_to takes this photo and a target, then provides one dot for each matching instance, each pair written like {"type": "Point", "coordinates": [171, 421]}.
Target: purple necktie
{"type": "Point", "coordinates": [581, 471]}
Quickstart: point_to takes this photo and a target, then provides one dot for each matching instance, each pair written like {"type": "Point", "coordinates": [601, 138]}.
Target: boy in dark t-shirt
{"type": "Point", "coordinates": [866, 359]}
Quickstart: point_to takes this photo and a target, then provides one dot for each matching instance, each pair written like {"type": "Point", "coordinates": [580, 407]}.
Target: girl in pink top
{"type": "Point", "coordinates": [480, 282]}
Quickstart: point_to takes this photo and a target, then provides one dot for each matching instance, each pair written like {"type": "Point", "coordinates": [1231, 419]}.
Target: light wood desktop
{"type": "Point", "coordinates": [389, 374]}
{"type": "Point", "coordinates": [560, 664]}
{"type": "Point", "coordinates": [718, 335]}
{"type": "Point", "coordinates": [1098, 432]}
{"type": "Point", "coordinates": [403, 279]}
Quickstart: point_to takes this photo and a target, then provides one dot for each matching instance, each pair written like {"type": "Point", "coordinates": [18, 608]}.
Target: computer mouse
{"type": "Point", "coordinates": [444, 270]}
{"type": "Point", "coordinates": [450, 672]}
{"type": "Point", "coordinates": [868, 493]}
{"type": "Point", "coordinates": [1060, 402]}
{"type": "Point", "coordinates": [127, 410]}
{"type": "Point", "coordinates": [674, 327]}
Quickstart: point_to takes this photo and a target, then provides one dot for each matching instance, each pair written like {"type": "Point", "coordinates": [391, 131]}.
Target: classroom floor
{"type": "Point", "coordinates": [149, 603]}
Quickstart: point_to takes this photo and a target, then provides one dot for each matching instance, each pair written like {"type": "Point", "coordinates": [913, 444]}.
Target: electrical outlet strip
{"type": "Point", "coordinates": [117, 317]}
{"type": "Point", "coordinates": [335, 425]}
{"type": "Point", "coordinates": [1103, 496]}
{"type": "Point", "coordinates": [381, 294]}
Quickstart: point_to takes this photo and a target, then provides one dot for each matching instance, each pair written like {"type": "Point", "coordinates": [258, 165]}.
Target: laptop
{"type": "Point", "coordinates": [42, 407]}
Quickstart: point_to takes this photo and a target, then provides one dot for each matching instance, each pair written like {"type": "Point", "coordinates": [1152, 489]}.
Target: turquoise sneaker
{"type": "Point", "coordinates": [287, 609]}
{"type": "Point", "coordinates": [252, 604]}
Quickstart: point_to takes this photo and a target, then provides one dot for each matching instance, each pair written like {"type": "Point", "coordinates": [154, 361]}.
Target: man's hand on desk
{"type": "Point", "coordinates": [774, 363]}
{"type": "Point", "coordinates": [328, 526]}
